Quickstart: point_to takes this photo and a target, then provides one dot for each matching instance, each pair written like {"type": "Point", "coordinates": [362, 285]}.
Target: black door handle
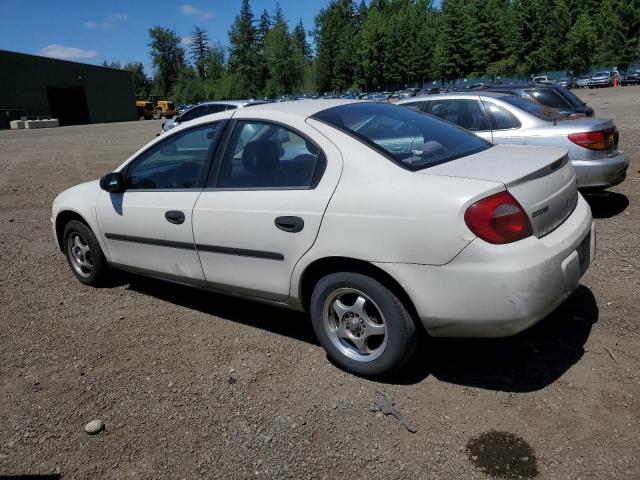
{"type": "Point", "coordinates": [174, 216]}
{"type": "Point", "coordinates": [289, 224]}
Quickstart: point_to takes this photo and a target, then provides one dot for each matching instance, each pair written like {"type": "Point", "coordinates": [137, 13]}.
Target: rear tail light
{"type": "Point", "coordinates": [498, 219]}
{"type": "Point", "coordinates": [600, 140]}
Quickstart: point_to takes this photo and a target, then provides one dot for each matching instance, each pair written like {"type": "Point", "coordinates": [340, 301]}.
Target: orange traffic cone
{"type": "Point", "coordinates": [615, 82]}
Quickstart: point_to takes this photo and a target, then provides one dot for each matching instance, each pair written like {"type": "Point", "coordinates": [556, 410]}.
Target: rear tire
{"type": "Point", "coordinates": [361, 324]}
{"type": "Point", "coordinates": [84, 254]}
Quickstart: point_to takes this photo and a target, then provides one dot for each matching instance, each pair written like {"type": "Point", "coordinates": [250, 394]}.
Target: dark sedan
{"type": "Point", "coordinates": [555, 96]}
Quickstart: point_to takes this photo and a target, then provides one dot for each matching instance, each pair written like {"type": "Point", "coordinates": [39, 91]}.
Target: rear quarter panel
{"type": "Point", "coordinates": [381, 212]}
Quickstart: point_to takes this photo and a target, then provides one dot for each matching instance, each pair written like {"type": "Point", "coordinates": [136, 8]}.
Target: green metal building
{"type": "Point", "coordinates": [74, 93]}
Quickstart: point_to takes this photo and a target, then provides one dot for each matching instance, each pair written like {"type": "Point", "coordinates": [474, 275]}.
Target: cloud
{"type": "Point", "coordinates": [118, 17]}
{"type": "Point", "coordinates": [186, 41]}
{"type": "Point", "coordinates": [108, 23]}
{"type": "Point", "coordinates": [190, 10]}
{"type": "Point", "coordinates": [66, 53]}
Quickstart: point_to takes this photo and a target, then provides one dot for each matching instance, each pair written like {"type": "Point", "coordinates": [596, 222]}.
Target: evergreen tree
{"type": "Point", "coordinates": [581, 41]}
{"type": "Point", "coordinates": [299, 37]}
{"type": "Point", "coordinates": [199, 49]}
{"type": "Point", "coordinates": [451, 56]}
{"type": "Point", "coordinates": [243, 56]}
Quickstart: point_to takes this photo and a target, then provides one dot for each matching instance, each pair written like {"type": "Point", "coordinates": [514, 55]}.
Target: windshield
{"type": "Point", "coordinates": [534, 108]}
{"type": "Point", "coordinates": [413, 140]}
{"type": "Point", "coordinates": [601, 74]}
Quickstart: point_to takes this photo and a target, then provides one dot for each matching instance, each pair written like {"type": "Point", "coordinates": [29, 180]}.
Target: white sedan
{"type": "Point", "coordinates": [377, 220]}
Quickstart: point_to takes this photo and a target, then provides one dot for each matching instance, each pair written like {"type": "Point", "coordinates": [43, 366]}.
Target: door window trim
{"type": "Point", "coordinates": [206, 167]}
{"type": "Point", "coordinates": [211, 182]}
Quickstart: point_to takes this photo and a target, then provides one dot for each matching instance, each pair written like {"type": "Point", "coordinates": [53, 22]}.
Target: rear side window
{"type": "Point", "coordinates": [413, 140]}
{"type": "Point", "coordinates": [549, 97]}
{"type": "Point", "coordinates": [195, 112]}
{"type": "Point", "coordinates": [217, 108]}
{"type": "Point", "coordinates": [501, 118]}
{"type": "Point", "coordinates": [534, 108]}
{"type": "Point", "coordinates": [463, 112]}
{"type": "Point", "coordinates": [266, 155]}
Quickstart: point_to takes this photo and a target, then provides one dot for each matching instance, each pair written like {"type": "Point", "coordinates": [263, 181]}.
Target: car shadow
{"type": "Point", "coordinates": [606, 204]}
{"type": "Point", "coordinates": [525, 362]}
{"type": "Point", "coordinates": [277, 320]}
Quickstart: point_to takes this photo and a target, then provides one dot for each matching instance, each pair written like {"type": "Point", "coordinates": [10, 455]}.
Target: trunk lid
{"type": "Point", "coordinates": [542, 180]}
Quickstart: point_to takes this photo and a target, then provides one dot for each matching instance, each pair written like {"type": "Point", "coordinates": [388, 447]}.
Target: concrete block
{"type": "Point", "coordinates": [16, 124]}
{"type": "Point", "coordinates": [50, 123]}
{"type": "Point", "coordinates": [33, 124]}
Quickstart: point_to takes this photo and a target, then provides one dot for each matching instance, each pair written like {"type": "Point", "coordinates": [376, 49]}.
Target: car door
{"type": "Point", "coordinates": [148, 227]}
{"type": "Point", "coordinates": [506, 127]}
{"type": "Point", "coordinates": [466, 113]}
{"type": "Point", "coordinates": [263, 205]}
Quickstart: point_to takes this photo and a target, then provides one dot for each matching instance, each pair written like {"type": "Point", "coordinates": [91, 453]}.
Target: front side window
{"type": "Point", "coordinates": [465, 113]}
{"type": "Point", "coordinates": [413, 140]}
{"type": "Point", "coordinates": [177, 162]}
{"type": "Point", "coordinates": [266, 155]}
{"type": "Point", "coordinates": [502, 118]}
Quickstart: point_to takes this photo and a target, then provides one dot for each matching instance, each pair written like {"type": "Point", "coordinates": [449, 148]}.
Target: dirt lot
{"type": "Point", "coordinates": [195, 385]}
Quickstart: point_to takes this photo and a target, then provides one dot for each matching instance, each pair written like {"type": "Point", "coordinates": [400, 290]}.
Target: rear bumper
{"type": "Point", "coordinates": [499, 290]}
{"type": "Point", "coordinates": [602, 172]}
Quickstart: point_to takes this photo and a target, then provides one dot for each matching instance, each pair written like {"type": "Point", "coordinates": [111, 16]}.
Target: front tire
{"type": "Point", "coordinates": [361, 324]}
{"type": "Point", "coordinates": [84, 254]}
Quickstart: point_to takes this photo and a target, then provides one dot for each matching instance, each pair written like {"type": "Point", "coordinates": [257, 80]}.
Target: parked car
{"type": "Point", "coordinates": [601, 79]}
{"type": "Point", "coordinates": [564, 102]}
{"type": "Point", "coordinates": [630, 78]}
{"type": "Point", "coordinates": [375, 219]}
{"type": "Point", "coordinates": [592, 144]}
{"type": "Point", "coordinates": [543, 79]}
{"type": "Point", "coordinates": [207, 108]}
{"type": "Point", "coordinates": [407, 93]}
{"type": "Point", "coordinates": [567, 82]}
{"type": "Point", "coordinates": [377, 97]}
{"type": "Point", "coordinates": [583, 82]}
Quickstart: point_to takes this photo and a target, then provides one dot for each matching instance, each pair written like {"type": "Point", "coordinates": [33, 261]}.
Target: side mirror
{"type": "Point", "coordinates": [112, 182]}
{"type": "Point", "coordinates": [177, 120]}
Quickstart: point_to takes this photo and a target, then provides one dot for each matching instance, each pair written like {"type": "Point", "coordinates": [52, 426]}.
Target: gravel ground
{"type": "Point", "coordinates": [196, 385]}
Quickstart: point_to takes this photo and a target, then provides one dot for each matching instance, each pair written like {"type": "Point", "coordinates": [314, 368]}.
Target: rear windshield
{"type": "Point", "coordinates": [413, 140]}
{"type": "Point", "coordinates": [534, 108]}
{"type": "Point", "coordinates": [548, 97]}
{"type": "Point", "coordinates": [573, 99]}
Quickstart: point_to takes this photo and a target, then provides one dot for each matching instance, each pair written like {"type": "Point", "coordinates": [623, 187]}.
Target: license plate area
{"type": "Point", "coordinates": [584, 253]}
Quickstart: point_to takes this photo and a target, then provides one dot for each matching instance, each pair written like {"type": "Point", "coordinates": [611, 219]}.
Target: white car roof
{"type": "Point", "coordinates": [235, 103]}
{"type": "Point", "coordinates": [295, 108]}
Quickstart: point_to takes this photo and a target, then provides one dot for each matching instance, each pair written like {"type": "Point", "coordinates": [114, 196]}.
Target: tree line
{"type": "Point", "coordinates": [387, 44]}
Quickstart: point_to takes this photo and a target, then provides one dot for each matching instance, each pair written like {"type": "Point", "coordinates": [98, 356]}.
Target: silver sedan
{"type": "Point", "coordinates": [501, 118]}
